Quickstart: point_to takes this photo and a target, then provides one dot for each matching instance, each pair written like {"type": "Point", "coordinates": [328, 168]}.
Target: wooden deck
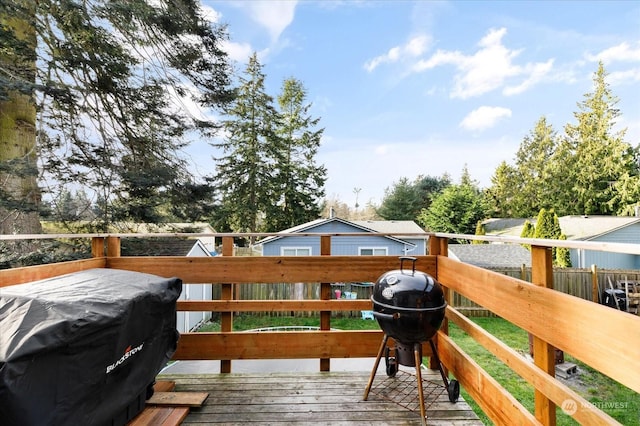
{"type": "Point", "coordinates": [333, 398]}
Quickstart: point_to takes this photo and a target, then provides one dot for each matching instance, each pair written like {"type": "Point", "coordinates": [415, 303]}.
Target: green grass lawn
{"type": "Point", "coordinates": [593, 386]}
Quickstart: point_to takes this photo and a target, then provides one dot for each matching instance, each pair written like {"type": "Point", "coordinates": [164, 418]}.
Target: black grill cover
{"type": "Point", "coordinates": [82, 348]}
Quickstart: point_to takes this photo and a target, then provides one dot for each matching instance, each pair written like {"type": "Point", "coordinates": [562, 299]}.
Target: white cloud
{"type": "Point", "coordinates": [412, 49]}
{"type": "Point", "coordinates": [623, 52]}
{"type": "Point", "coordinates": [536, 73]}
{"type": "Point", "coordinates": [484, 117]}
{"type": "Point", "coordinates": [210, 14]}
{"type": "Point", "coordinates": [274, 15]}
{"type": "Point", "coordinates": [616, 78]}
{"type": "Point", "coordinates": [239, 52]}
{"type": "Point", "coordinates": [487, 69]}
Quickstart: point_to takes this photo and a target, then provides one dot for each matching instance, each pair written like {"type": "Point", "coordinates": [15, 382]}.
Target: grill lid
{"type": "Point", "coordinates": [408, 290]}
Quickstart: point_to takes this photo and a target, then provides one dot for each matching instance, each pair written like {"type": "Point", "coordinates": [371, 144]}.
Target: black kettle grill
{"type": "Point", "coordinates": [409, 306]}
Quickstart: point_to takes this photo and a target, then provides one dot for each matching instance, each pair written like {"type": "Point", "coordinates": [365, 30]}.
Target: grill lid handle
{"type": "Point", "coordinates": [413, 259]}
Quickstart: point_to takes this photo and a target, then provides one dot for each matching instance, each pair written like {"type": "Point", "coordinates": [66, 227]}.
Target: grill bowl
{"type": "Point", "coordinates": [409, 305]}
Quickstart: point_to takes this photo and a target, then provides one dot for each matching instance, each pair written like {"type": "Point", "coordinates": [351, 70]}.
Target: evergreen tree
{"type": "Point", "coordinates": [521, 190]}
{"type": "Point", "coordinates": [563, 255]}
{"type": "Point", "coordinates": [246, 174]}
{"type": "Point", "coordinates": [457, 209]}
{"type": "Point", "coordinates": [405, 200]}
{"type": "Point", "coordinates": [528, 231]}
{"type": "Point", "coordinates": [19, 192]}
{"type": "Point", "coordinates": [599, 161]}
{"type": "Point", "coordinates": [105, 120]}
{"type": "Point", "coordinates": [299, 180]}
{"type": "Point", "coordinates": [480, 231]}
{"type": "Point", "coordinates": [427, 187]}
{"type": "Point", "coordinates": [401, 202]}
{"type": "Point", "coordinates": [533, 175]}
{"type": "Point", "coordinates": [548, 226]}
{"type": "Point", "coordinates": [503, 191]}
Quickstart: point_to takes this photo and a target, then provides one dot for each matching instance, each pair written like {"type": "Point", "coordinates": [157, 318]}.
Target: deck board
{"type": "Point", "coordinates": [333, 398]}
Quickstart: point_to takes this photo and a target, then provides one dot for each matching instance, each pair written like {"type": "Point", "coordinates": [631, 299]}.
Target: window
{"type": "Point", "coordinates": [372, 251]}
{"type": "Point", "coordinates": [295, 251]}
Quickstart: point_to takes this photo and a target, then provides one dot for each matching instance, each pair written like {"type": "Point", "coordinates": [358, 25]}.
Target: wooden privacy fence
{"type": "Point", "coordinates": [576, 282]}
{"type": "Point", "coordinates": [554, 319]}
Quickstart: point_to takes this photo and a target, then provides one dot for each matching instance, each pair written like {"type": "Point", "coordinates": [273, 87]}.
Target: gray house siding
{"type": "Point", "coordinates": [628, 235]}
{"type": "Point", "coordinates": [604, 229]}
{"type": "Point", "coordinates": [347, 245]}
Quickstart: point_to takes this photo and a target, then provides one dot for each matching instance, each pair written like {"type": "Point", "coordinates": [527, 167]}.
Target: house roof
{"type": "Point", "coordinates": [395, 227]}
{"type": "Point", "coordinates": [491, 255]}
{"type": "Point", "coordinates": [574, 227]}
{"type": "Point", "coordinates": [387, 227]}
{"type": "Point", "coordinates": [159, 246]}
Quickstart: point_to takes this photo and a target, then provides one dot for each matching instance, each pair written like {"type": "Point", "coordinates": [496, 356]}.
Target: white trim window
{"type": "Point", "coordinates": [295, 251]}
{"type": "Point", "coordinates": [373, 251]}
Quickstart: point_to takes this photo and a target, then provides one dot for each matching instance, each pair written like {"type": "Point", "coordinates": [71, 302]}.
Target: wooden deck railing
{"type": "Point", "coordinates": [589, 332]}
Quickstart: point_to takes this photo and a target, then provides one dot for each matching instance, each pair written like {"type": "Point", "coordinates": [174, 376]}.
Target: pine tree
{"type": "Point", "coordinates": [298, 179]}
{"type": "Point", "coordinates": [548, 226]}
{"type": "Point", "coordinates": [533, 175]}
{"type": "Point", "coordinates": [457, 209]}
{"type": "Point", "coordinates": [563, 255]}
{"type": "Point", "coordinates": [19, 192]}
{"type": "Point", "coordinates": [246, 172]}
{"type": "Point", "coordinates": [480, 231]}
{"type": "Point", "coordinates": [105, 120]}
{"type": "Point", "coordinates": [597, 158]}
{"type": "Point", "coordinates": [501, 195]}
{"type": "Point", "coordinates": [400, 202]}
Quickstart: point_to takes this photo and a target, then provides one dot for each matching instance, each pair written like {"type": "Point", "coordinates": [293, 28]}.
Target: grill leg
{"type": "Point", "coordinates": [417, 353]}
{"type": "Point", "coordinates": [445, 379]}
{"type": "Point", "coordinates": [375, 367]}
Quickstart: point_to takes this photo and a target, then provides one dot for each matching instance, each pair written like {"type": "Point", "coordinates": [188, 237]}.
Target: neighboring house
{"type": "Point", "coordinates": [609, 229]}
{"type": "Point", "coordinates": [160, 246]}
{"type": "Point", "coordinates": [491, 256]}
{"type": "Point", "coordinates": [398, 242]}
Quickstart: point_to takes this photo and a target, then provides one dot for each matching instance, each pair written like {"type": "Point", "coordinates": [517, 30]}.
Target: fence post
{"type": "Point", "coordinates": [543, 352]}
{"type": "Point", "coordinates": [595, 292]}
{"type": "Point", "coordinates": [226, 293]}
{"type": "Point", "coordinates": [440, 247]}
{"type": "Point", "coordinates": [97, 247]}
{"type": "Point", "coordinates": [325, 294]}
{"type": "Point", "coordinates": [113, 247]}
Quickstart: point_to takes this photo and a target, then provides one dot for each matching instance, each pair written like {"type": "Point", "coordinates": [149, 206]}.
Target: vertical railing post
{"type": "Point", "coordinates": [440, 247]}
{"type": "Point", "coordinates": [325, 294]}
{"type": "Point", "coordinates": [595, 292]}
{"type": "Point", "coordinates": [543, 352]}
{"type": "Point", "coordinates": [226, 293]}
{"type": "Point", "coordinates": [97, 247]}
{"type": "Point", "coordinates": [113, 246]}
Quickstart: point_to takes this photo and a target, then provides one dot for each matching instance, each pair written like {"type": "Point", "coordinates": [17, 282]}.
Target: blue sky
{"type": "Point", "coordinates": [409, 88]}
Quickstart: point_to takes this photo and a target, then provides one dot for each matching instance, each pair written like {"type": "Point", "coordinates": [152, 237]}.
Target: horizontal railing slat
{"type": "Point", "coordinates": [269, 269]}
{"type": "Point", "coordinates": [548, 385]}
{"type": "Point", "coordinates": [588, 331]}
{"type": "Point", "coordinates": [40, 272]}
{"type": "Point", "coordinates": [273, 305]}
{"type": "Point", "coordinates": [281, 345]}
{"type": "Point", "coordinates": [497, 402]}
